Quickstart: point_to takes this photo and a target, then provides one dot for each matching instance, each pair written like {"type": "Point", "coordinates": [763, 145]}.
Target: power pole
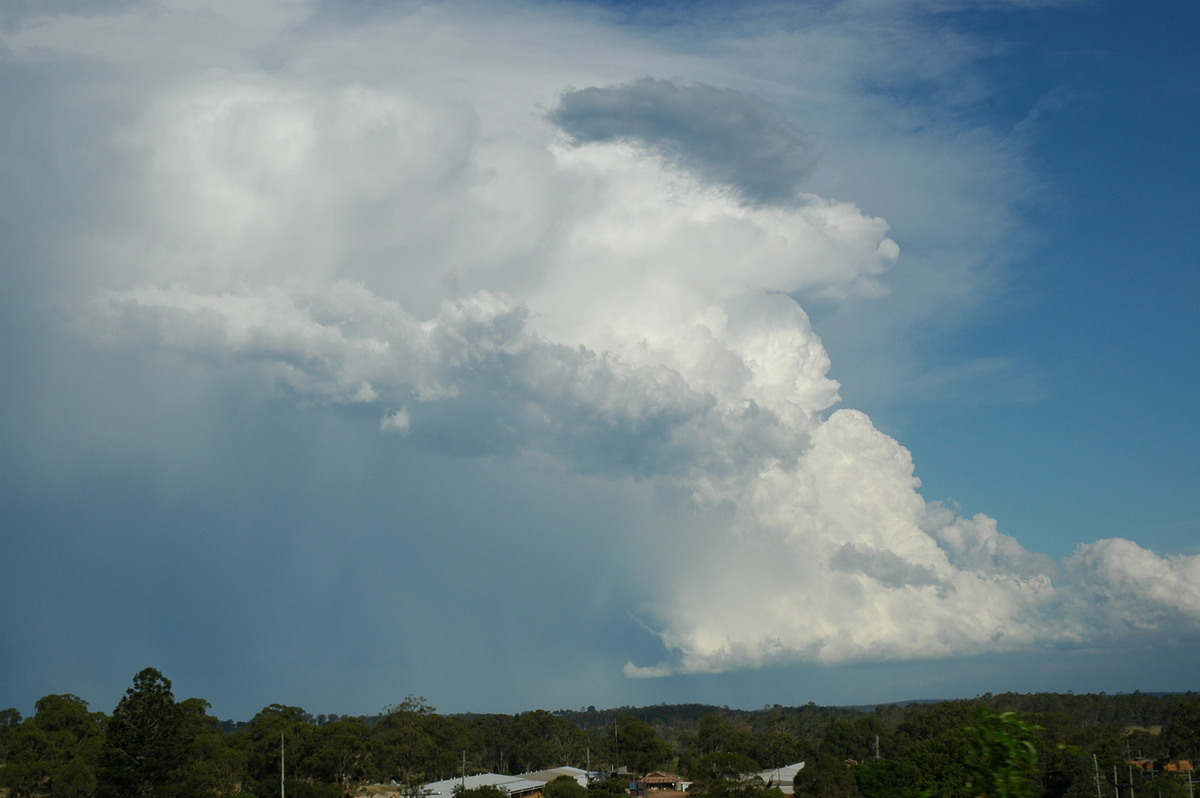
{"type": "Point", "coordinates": [616, 748]}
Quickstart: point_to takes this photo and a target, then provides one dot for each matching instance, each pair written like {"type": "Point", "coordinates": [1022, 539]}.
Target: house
{"type": "Point", "coordinates": [658, 783]}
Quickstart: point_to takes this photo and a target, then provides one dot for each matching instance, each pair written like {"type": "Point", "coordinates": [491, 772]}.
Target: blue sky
{"type": "Point", "coordinates": [1101, 306]}
{"type": "Point", "coordinates": [527, 355]}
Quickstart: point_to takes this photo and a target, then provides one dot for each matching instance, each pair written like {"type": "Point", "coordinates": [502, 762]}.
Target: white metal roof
{"type": "Point", "coordinates": [514, 785]}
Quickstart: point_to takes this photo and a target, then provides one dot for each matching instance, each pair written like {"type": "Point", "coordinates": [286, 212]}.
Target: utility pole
{"type": "Point", "coordinates": [616, 748]}
{"type": "Point", "coordinates": [281, 792]}
{"type": "Point", "coordinates": [1096, 765]}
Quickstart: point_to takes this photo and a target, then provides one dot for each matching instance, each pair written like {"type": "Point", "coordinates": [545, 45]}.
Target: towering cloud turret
{"type": "Point", "coordinates": [623, 301]}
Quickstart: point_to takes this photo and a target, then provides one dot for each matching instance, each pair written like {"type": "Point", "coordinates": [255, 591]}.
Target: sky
{"type": "Point", "coordinates": [550, 354]}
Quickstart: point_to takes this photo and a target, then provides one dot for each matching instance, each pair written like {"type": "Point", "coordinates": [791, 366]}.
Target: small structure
{"type": "Point", "coordinates": [658, 781]}
{"type": "Point", "coordinates": [515, 786]}
{"type": "Point", "coordinates": [782, 777]}
{"type": "Point", "coordinates": [547, 776]}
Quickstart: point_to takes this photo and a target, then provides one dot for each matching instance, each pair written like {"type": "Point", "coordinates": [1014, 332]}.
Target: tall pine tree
{"type": "Point", "coordinates": [146, 744]}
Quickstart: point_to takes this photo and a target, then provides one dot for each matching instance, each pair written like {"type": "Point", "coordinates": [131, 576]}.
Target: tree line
{"type": "Point", "coordinates": [1046, 744]}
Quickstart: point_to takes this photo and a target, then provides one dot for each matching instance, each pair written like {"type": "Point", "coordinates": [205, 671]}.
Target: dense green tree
{"type": "Point", "coordinates": [211, 765]}
{"type": "Point", "coordinates": [723, 766]}
{"type": "Point", "coordinates": [727, 775]}
{"type": "Point", "coordinates": [809, 721]}
{"type": "Point", "coordinates": [853, 739]}
{"type": "Point", "coordinates": [402, 745]}
{"type": "Point", "coordinates": [635, 745]}
{"type": "Point", "coordinates": [887, 778]}
{"type": "Point", "coordinates": [825, 776]}
{"type": "Point", "coordinates": [1167, 785]}
{"type": "Point", "coordinates": [1069, 773]}
{"type": "Point", "coordinates": [493, 748]}
{"type": "Point", "coordinates": [452, 739]}
{"type": "Point", "coordinates": [277, 736]}
{"type": "Point", "coordinates": [941, 762]}
{"type": "Point", "coordinates": [67, 715]}
{"type": "Point", "coordinates": [340, 754]}
{"type": "Point", "coordinates": [56, 751]}
{"type": "Point", "coordinates": [540, 740]}
{"type": "Point", "coordinates": [564, 787]}
{"type": "Point", "coordinates": [1002, 754]}
{"type": "Point", "coordinates": [23, 779]}
{"type": "Point", "coordinates": [146, 742]}
{"type": "Point", "coordinates": [75, 779]}
{"type": "Point", "coordinates": [606, 788]}
{"type": "Point", "coordinates": [1142, 744]}
{"type": "Point", "coordinates": [1182, 734]}
{"type": "Point", "coordinates": [774, 749]}
{"type": "Point", "coordinates": [10, 721]}
{"type": "Point", "coordinates": [72, 731]}
{"type": "Point", "coordinates": [410, 710]}
{"type": "Point", "coordinates": [25, 769]}
{"type": "Point", "coordinates": [715, 734]}
{"type": "Point", "coordinates": [929, 721]}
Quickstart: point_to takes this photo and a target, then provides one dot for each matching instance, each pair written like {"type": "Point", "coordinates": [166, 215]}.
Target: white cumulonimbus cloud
{"type": "Point", "coordinates": [620, 304]}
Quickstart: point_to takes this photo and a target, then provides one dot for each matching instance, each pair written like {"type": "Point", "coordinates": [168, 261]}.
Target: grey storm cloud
{"type": "Point", "coordinates": [721, 135]}
{"type": "Point", "coordinates": [16, 15]}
